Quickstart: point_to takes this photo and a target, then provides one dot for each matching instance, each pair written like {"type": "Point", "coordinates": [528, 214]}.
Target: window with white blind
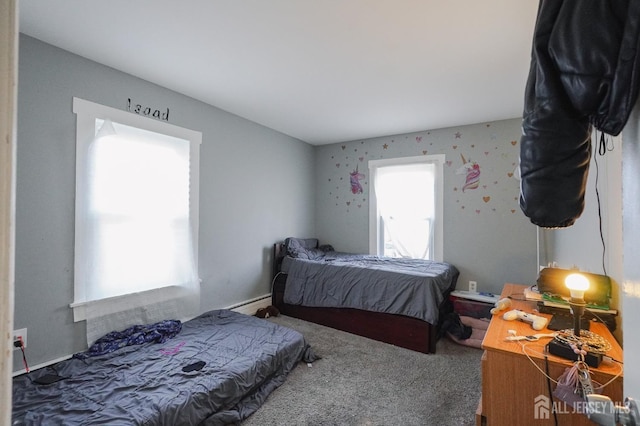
{"type": "Point", "coordinates": [136, 207]}
{"type": "Point", "coordinates": [406, 207]}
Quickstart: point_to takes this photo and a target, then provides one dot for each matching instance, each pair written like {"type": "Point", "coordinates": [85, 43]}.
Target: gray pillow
{"type": "Point", "coordinates": [297, 247]}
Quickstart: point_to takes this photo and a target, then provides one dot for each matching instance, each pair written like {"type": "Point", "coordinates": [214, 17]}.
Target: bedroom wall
{"type": "Point", "coordinates": [630, 285]}
{"type": "Point", "coordinates": [486, 235]}
{"type": "Point", "coordinates": [580, 246]}
{"type": "Point", "coordinates": [256, 187]}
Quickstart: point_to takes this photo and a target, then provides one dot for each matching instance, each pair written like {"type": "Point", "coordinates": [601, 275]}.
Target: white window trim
{"type": "Point", "coordinates": [86, 114]}
{"type": "Point", "coordinates": [374, 225]}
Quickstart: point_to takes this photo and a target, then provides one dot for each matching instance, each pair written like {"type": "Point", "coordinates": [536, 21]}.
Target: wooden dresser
{"type": "Point", "coordinates": [514, 389]}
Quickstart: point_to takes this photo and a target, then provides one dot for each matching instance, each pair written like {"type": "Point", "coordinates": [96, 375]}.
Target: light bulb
{"type": "Point", "coordinates": [577, 284]}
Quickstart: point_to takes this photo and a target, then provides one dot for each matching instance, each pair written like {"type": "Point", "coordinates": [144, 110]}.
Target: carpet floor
{"type": "Point", "coordinates": [360, 381]}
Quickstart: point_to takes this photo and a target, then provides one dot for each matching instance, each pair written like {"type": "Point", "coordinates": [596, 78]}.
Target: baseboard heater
{"type": "Point", "coordinates": [251, 306]}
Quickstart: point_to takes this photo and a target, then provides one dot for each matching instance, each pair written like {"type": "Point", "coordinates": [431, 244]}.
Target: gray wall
{"type": "Point", "coordinates": [631, 267]}
{"type": "Point", "coordinates": [256, 187]}
{"type": "Point", "coordinates": [485, 234]}
{"type": "Point", "coordinates": [580, 246]}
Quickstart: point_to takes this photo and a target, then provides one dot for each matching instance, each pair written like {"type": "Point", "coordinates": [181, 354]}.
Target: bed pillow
{"type": "Point", "coordinates": [299, 247]}
{"type": "Point", "coordinates": [312, 254]}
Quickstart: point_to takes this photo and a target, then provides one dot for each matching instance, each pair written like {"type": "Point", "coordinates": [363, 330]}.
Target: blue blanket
{"type": "Point", "coordinates": [135, 335]}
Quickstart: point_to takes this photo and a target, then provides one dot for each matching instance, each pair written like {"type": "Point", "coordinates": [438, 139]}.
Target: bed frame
{"type": "Point", "coordinates": [400, 330]}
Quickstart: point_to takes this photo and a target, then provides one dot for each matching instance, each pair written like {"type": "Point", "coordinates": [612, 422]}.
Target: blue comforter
{"type": "Point", "coordinates": [218, 370]}
{"type": "Point", "coordinates": [135, 335]}
{"type": "Point", "coordinates": [410, 287]}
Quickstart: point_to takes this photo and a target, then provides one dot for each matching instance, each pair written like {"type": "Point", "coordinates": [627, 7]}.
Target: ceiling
{"type": "Point", "coordinates": [322, 71]}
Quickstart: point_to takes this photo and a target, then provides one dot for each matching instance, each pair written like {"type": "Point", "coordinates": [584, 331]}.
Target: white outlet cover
{"type": "Point", "coordinates": [21, 332]}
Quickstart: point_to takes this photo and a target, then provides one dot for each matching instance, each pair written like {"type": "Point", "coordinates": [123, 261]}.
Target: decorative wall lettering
{"type": "Point", "coordinates": [147, 111]}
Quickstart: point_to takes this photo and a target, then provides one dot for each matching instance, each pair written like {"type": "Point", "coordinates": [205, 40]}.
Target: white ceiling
{"type": "Point", "coordinates": [322, 71]}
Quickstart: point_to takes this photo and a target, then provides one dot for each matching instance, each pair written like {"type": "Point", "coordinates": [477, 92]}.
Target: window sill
{"type": "Point", "coordinates": [126, 301]}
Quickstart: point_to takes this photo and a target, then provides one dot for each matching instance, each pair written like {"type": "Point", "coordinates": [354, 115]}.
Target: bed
{"type": "Point", "coordinates": [397, 301]}
{"type": "Point", "coordinates": [218, 369]}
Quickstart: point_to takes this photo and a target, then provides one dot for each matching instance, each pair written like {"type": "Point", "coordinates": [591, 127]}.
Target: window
{"type": "Point", "coordinates": [406, 207]}
{"type": "Point", "coordinates": [136, 207]}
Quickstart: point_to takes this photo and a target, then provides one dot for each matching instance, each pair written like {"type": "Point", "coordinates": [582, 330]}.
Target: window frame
{"type": "Point", "coordinates": [86, 114]}
{"type": "Point", "coordinates": [374, 214]}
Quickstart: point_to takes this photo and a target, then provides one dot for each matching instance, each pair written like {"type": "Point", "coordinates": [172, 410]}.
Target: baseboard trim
{"type": "Point", "coordinates": [251, 306]}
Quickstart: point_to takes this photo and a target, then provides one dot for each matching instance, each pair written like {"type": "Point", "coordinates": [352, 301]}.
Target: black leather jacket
{"type": "Point", "coordinates": [584, 72]}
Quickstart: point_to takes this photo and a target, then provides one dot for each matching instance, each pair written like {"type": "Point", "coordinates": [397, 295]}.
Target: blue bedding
{"type": "Point", "coordinates": [135, 335]}
{"type": "Point", "coordinates": [218, 370]}
{"type": "Point", "coordinates": [410, 287]}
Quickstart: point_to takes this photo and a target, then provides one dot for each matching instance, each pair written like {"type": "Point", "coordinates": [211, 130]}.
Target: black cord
{"type": "Point", "coordinates": [602, 146]}
{"type": "Point", "coordinates": [606, 144]}
{"type": "Point", "coordinates": [602, 149]}
{"type": "Point", "coordinates": [546, 368]}
{"type": "Point", "coordinates": [24, 359]}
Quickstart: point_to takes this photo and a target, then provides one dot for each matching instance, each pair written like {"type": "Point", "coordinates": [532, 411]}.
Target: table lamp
{"type": "Point", "coordinates": [577, 284]}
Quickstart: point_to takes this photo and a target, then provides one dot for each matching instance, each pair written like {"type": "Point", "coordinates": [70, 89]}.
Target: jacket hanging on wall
{"type": "Point", "coordinates": [584, 72]}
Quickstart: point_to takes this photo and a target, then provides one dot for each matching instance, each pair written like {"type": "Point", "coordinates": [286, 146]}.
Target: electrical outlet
{"type": "Point", "coordinates": [20, 334]}
{"type": "Point", "coordinates": [473, 286]}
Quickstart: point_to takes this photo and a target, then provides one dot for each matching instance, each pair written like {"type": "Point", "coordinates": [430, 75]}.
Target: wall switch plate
{"type": "Point", "coordinates": [473, 286]}
{"type": "Point", "coordinates": [20, 334]}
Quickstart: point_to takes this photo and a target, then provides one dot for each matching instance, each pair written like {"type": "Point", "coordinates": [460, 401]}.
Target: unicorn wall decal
{"type": "Point", "coordinates": [354, 178]}
{"type": "Point", "coordinates": [472, 171]}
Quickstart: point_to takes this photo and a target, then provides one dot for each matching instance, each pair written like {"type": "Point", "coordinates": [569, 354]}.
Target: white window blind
{"type": "Point", "coordinates": [406, 207]}
{"type": "Point", "coordinates": [136, 212]}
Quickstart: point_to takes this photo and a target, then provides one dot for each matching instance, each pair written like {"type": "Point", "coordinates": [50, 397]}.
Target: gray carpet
{"type": "Point", "coordinates": [359, 381]}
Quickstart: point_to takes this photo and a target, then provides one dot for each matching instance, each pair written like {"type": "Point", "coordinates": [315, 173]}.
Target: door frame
{"type": "Point", "coordinates": [8, 96]}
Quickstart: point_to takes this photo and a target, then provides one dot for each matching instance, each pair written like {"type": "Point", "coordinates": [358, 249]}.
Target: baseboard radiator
{"type": "Point", "coordinates": [250, 307]}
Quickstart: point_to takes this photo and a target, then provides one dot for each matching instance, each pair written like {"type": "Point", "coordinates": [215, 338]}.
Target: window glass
{"type": "Point", "coordinates": [136, 211]}
{"type": "Point", "coordinates": [406, 204]}
{"type": "Point", "coordinates": [406, 207]}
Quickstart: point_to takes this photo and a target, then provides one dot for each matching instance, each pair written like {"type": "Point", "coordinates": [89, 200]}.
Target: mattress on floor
{"type": "Point", "coordinates": [218, 370]}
